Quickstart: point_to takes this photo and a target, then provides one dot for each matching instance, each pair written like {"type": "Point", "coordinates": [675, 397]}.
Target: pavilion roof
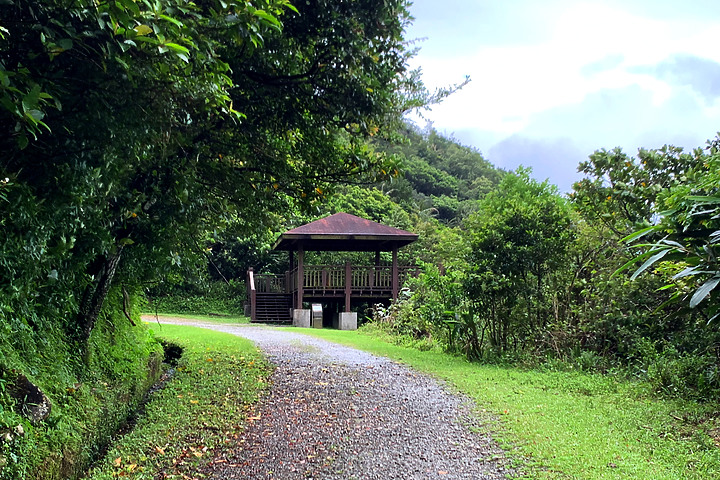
{"type": "Point", "coordinates": [344, 232]}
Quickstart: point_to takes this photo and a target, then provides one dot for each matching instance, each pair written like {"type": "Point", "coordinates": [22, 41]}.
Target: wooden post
{"type": "Point", "coordinates": [253, 295]}
{"type": "Point", "coordinates": [348, 285]}
{"type": "Point", "coordinates": [288, 273]}
{"type": "Point", "coordinates": [300, 276]}
{"type": "Point", "coordinates": [373, 272]}
{"type": "Point", "coordinates": [395, 275]}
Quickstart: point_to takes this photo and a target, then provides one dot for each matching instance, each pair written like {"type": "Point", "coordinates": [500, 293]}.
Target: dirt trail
{"type": "Point", "coordinates": [335, 412]}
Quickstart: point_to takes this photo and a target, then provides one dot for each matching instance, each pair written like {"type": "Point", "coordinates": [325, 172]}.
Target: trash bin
{"type": "Point", "coordinates": [317, 315]}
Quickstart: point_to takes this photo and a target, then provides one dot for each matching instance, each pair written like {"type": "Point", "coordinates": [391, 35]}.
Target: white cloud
{"type": "Point", "coordinates": [588, 74]}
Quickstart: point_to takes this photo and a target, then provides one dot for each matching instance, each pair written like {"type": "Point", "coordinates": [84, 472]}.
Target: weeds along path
{"type": "Point", "coordinates": [337, 412]}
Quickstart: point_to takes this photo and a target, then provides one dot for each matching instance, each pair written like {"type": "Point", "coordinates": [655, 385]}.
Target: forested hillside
{"type": "Point", "coordinates": [618, 276]}
{"type": "Point", "coordinates": [440, 174]}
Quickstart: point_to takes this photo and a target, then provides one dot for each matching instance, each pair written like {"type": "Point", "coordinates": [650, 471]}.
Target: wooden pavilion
{"type": "Point", "coordinates": [279, 298]}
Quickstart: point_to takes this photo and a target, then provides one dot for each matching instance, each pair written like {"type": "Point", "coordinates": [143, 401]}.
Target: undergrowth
{"type": "Point", "coordinates": [213, 298]}
{"type": "Point", "coordinates": [201, 409]}
{"type": "Point", "coordinates": [92, 393]}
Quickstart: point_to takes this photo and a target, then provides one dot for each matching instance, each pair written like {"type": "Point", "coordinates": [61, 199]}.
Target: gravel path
{"type": "Point", "coordinates": [335, 412]}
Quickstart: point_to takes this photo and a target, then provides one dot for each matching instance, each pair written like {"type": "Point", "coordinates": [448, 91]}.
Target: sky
{"type": "Point", "coordinates": [552, 81]}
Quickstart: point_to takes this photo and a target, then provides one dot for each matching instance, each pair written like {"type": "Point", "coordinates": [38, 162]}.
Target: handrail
{"type": "Point", "coordinates": [330, 277]}
{"type": "Point", "coordinates": [253, 294]}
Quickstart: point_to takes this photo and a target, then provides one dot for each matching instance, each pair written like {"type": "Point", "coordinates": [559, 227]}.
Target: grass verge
{"type": "Point", "coordinates": [217, 379]}
{"type": "Point", "coordinates": [572, 425]}
{"type": "Point", "coordinates": [150, 317]}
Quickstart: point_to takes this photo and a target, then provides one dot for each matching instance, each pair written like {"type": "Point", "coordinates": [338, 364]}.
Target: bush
{"type": "Point", "coordinates": [214, 298]}
{"type": "Point", "coordinates": [686, 375]}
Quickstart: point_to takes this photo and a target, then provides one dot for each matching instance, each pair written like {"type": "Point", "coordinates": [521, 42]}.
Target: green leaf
{"type": "Point", "coordinates": [65, 43]}
{"type": "Point", "coordinates": [704, 291]}
{"type": "Point", "coordinates": [30, 101]}
{"type": "Point", "coordinates": [143, 30]}
{"type": "Point", "coordinates": [267, 17]}
{"type": "Point", "coordinates": [688, 271]}
{"type": "Point", "coordinates": [172, 20]}
{"type": "Point", "coordinates": [177, 48]}
{"type": "Point", "coordinates": [131, 5]}
{"type": "Point", "coordinates": [640, 233]}
{"type": "Point", "coordinates": [649, 262]}
{"type": "Point", "coordinates": [35, 114]}
{"type": "Point", "coordinates": [673, 244]}
{"type": "Point", "coordinates": [703, 199]}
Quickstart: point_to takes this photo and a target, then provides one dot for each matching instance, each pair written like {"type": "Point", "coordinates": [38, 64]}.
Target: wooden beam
{"type": "Point", "coordinates": [301, 277]}
{"type": "Point", "coordinates": [395, 274]}
{"type": "Point", "coordinates": [348, 285]}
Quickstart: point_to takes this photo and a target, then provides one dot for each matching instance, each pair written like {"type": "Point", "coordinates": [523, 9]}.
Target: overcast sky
{"type": "Point", "coordinates": [554, 80]}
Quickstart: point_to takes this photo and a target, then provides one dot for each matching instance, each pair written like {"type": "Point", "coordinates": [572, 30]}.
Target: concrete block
{"type": "Point", "coordinates": [301, 317]}
{"type": "Point", "coordinates": [347, 321]}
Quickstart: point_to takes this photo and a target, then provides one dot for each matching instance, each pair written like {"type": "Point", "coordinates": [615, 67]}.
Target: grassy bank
{"type": "Point", "coordinates": [217, 379]}
{"type": "Point", "coordinates": [92, 388]}
{"type": "Point", "coordinates": [571, 425]}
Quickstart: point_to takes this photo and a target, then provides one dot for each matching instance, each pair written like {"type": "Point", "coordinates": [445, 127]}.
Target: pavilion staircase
{"type": "Point", "coordinates": [273, 307]}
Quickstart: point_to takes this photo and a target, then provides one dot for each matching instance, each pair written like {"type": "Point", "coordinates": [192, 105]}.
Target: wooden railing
{"type": "Point", "coordinates": [266, 283]}
{"type": "Point", "coordinates": [332, 278]}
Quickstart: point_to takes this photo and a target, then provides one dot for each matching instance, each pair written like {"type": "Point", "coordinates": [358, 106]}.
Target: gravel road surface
{"type": "Point", "coordinates": [334, 412]}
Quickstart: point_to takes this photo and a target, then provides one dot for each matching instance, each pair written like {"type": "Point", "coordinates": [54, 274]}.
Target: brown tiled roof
{"type": "Point", "coordinates": [344, 232]}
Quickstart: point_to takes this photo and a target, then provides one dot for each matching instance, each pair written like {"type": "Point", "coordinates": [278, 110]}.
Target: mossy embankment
{"type": "Point", "coordinates": [92, 387]}
{"type": "Point", "coordinates": [198, 415]}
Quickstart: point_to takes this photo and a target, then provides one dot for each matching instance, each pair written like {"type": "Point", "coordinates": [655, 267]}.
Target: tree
{"type": "Point", "coordinates": [519, 236]}
{"type": "Point", "coordinates": [621, 192]}
{"type": "Point", "coordinates": [689, 222]}
{"type": "Point", "coordinates": [130, 129]}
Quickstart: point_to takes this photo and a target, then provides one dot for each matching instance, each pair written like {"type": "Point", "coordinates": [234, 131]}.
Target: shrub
{"type": "Point", "coordinates": [213, 298]}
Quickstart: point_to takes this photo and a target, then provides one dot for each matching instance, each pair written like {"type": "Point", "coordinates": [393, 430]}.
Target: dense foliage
{"type": "Point", "coordinates": [133, 134]}
{"type": "Point", "coordinates": [539, 278]}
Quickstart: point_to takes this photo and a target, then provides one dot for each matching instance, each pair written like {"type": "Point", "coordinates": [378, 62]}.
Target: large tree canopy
{"type": "Point", "coordinates": [129, 127]}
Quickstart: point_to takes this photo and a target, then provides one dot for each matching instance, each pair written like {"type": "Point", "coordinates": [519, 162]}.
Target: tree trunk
{"type": "Point", "coordinates": [95, 294]}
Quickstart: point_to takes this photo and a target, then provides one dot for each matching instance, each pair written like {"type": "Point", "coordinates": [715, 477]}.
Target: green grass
{"type": "Point", "coordinates": [572, 425]}
{"type": "Point", "coordinates": [217, 381]}
{"type": "Point", "coordinates": [150, 317]}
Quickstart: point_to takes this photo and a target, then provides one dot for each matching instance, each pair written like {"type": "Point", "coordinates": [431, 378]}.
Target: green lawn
{"type": "Point", "coordinates": [150, 317]}
{"type": "Point", "coordinates": [218, 379]}
{"type": "Point", "coordinates": [571, 424]}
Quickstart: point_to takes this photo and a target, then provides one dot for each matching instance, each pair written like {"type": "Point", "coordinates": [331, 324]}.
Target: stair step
{"type": "Point", "coordinates": [273, 308]}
